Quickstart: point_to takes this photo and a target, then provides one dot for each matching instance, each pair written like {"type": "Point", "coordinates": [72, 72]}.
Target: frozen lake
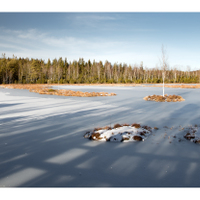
{"type": "Point", "coordinates": [42, 144]}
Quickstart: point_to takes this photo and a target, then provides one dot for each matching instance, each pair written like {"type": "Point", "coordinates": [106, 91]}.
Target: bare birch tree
{"type": "Point", "coordinates": [163, 66]}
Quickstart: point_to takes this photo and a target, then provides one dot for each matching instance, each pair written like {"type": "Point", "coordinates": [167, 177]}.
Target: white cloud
{"type": "Point", "coordinates": [31, 34]}
{"type": "Point", "coordinates": [34, 43]}
{"type": "Point", "coordinates": [33, 38]}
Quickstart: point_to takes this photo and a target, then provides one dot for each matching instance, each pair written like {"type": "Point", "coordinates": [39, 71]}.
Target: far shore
{"type": "Point", "coordinates": [171, 85]}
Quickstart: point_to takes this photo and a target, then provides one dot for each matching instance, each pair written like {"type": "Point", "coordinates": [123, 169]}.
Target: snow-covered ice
{"type": "Point", "coordinates": [42, 143]}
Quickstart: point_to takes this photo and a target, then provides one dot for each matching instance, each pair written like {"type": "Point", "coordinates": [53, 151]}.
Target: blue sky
{"type": "Point", "coordinates": [123, 37]}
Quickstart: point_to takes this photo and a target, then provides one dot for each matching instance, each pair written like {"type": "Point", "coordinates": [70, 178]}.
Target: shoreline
{"type": "Point", "coordinates": [167, 85]}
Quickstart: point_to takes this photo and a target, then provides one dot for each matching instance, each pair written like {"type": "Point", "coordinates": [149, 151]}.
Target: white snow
{"type": "Point", "coordinates": [124, 133]}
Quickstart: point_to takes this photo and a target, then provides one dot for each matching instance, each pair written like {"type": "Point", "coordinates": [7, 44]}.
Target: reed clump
{"type": "Point", "coordinates": [44, 89]}
{"type": "Point", "coordinates": [166, 98]}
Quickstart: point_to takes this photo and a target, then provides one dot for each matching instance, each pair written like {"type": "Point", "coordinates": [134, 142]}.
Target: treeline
{"type": "Point", "coordinates": [24, 70]}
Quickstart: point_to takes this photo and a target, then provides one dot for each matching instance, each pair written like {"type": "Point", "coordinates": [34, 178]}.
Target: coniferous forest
{"type": "Point", "coordinates": [25, 70]}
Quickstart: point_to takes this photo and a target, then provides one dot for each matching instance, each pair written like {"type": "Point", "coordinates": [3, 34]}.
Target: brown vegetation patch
{"type": "Point", "coordinates": [107, 128]}
{"type": "Point", "coordinates": [125, 124]}
{"type": "Point", "coordinates": [126, 138]}
{"type": "Point", "coordinates": [147, 127]}
{"type": "Point", "coordinates": [189, 136]}
{"type": "Point", "coordinates": [44, 89]}
{"type": "Point", "coordinates": [187, 86]}
{"type": "Point", "coordinates": [136, 125]}
{"type": "Point", "coordinates": [137, 138]}
{"type": "Point", "coordinates": [166, 98]}
{"type": "Point", "coordinates": [87, 135]}
{"type": "Point", "coordinates": [97, 129]}
{"type": "Point", "coordinates": [119, 135]}
{"type": "Point", "coordinates": [143, 133]}
{"type": "Point", "coordinates": [107, 84]}
{"type": "Point", "coordinates": [197, 141]}
{"type": "Point", "coordinates": [117, 125]}
{"type": "Point", "coordinates": [192, 134]}
{"type": "Point", "coordinates": [183, 86]}
{"type": "Point", "coordinates": [51, 90]}
{"type": "Point", "coordinates": [96, 136]}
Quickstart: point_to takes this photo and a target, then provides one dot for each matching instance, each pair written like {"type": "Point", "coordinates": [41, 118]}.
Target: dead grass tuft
{"type": "Point", "coordinates": [124, 135]}
{"type": "Point", "coordinates": [51, 90]}
{"type": "Point", "coordinates": [96, 136]}
{"type": "Point", "coordinates": [146, 98]}
{"type": "Point", "coordinates": [125, 138]}
{"type": "Point", "coordinates": [125, 124]}
{"type": "Point", "coordinates": [189, 136]}
{"type": "Point", "coordinates": [166, 98]}
{"type": "Point", "coordinates": [97, 129]}
{"type": "Point", "coordinates": [44, 89]}
{"type": "Point", "coordinates": [137, 138]}
{"type": "Point", "coordinates": [117, 125]}
{"type": "Point", "coordinates": [107, 128]}
{"type": "Point", "coordinates": [143, 133]}
{"type": "Point", "coordinates": [146, 127]}
{"type": "Point", "coordinates": [87, 135]}
{"type": "Point", "coordinates": [189, 86]}
{"type": "Point", "coordinates": [136, 125]}
{"type": "Point", "coordinates": [197, 141]}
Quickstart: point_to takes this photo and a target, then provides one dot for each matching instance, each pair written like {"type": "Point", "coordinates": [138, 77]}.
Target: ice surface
{"type": "Point", "coordinates": [45, 144]}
